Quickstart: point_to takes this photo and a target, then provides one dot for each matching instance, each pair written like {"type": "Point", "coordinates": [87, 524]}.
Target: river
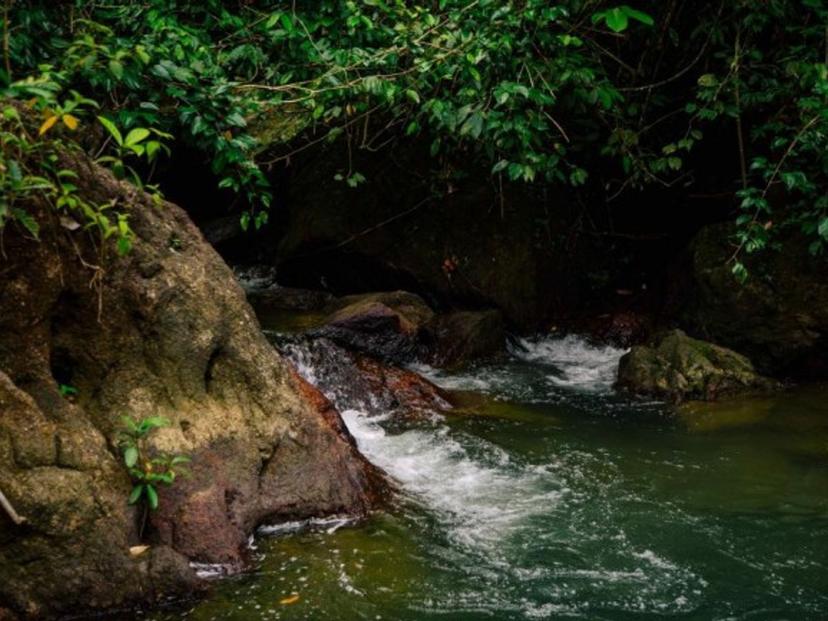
{"type": "Point", "coordinates": [550, 497]}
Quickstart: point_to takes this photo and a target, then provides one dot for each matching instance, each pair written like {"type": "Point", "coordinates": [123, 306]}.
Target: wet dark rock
{"type": "Point", "coordinates": [459, 337]}
{"type": "Point", "coordinates": [177, 340]}
{"type": "Point", "coordinates": [456, 239]}
{"type": "Point", "coordinates": [779, 317]}
{"type": "Point", "coordinates": [356, 381]}
{"type": "Point", "coordinates": [677, 367]}
{"type": "Point", "coordinates": [223, 229]}
{"type": "Point", "coordinates": [620, 329]}
{"type": "Point", "coordinates": [400, 327]}
{"type": "Point", "coordinates": [385, 325]}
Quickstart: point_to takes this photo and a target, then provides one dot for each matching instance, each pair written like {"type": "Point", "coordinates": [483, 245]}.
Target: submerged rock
{"type": "Point", "coordinates": [165, 331]}
{"type": "Point", "coordinates": [678, 368]}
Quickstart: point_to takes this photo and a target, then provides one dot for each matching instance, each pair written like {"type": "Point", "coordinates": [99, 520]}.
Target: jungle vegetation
{"type": "Point", "coordinates": [617, 97]}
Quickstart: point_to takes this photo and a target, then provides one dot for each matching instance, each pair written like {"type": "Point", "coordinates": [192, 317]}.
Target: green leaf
{"type": "Point", "coordinates": [112, 129]}
{"type": "Point", "coordinates": [708, 80]}
{"type": "Point", "coordinates": [129, 424]}
{"type": "Point", "coordinates": [822, 229]}
{"type": "Point", "coordinates": [131, 456]}
{"type": "Point", "coordinates": [616, 19]}
{"type": "Point", "coordinates": [28, 222]}
{"type": "Point", "coordinates": [136, 494]}
{"type": "Point", "coordinates": [124, 245]}
{"type": "Point", "coordinates": [135, 136]}
{"type": "Point", "coordinates": [116, 68]}
{"type": "Point", "coordinates": [154, 422]}
{"type": "Point", "coordinates": [152, 496]}
{"type": "Point", "coordinates": [638, 15]}
{"type": "Point", "coordinates": [740, 272]}
{"type": "Point", "coordinates": [287, 22]}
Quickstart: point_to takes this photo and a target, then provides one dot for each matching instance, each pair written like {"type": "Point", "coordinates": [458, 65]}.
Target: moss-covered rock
{"type": "Point", "coordinates": [677, 367]}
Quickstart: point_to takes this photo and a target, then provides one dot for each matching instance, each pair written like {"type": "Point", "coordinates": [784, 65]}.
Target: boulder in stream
{"type": "Point", "coordinates": [356, 381]}
{"type": "Point", "coordinates": [164, 331]}
{"type": "Point", "coordinates": [387, 325]}
{"type": "Point", "coordinates": [400, 327]}
{"type": "Point", "coordinates": [461, 336]}
{"type": "Point", "coordinates": [677, 367]}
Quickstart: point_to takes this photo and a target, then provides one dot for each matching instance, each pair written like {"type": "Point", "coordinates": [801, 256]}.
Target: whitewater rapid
{"type": "Point", "coordinates": [480, 493]}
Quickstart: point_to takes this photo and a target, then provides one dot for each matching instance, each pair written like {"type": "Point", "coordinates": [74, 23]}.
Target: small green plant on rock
{"type": "Point", "coordinates": [147, 470]}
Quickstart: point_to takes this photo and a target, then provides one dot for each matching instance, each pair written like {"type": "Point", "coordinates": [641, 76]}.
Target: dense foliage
{"type": "Point", "coordinates": [571, 92]}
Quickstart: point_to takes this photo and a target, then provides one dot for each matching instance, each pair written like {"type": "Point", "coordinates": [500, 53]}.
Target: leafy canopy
{"type": "Point", "coordinates": [555, 92]}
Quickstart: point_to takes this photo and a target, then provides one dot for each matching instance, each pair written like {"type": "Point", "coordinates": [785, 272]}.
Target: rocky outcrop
{"type": "Point", "coordinates": [778, 317]}
{"type": "Point", "coordinates": [455, 235]}
{"type": "Point", "coordinates": [162, 331]}
{"type": "Point", "coordinates": [677, 367]}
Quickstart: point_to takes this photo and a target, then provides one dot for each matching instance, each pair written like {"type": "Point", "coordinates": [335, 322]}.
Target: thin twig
{"type": "Point", "coordinates": [14, 515]}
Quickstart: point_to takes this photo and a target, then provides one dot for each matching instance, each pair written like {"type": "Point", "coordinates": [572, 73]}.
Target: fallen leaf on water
{"type": "Point", "coordinates": [289, 600]}
{"type": "Point", "coordinates": [138, 550]}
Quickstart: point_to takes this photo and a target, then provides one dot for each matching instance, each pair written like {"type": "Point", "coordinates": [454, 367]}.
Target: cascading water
{"type": "Point", "coordinates": [552, 497]}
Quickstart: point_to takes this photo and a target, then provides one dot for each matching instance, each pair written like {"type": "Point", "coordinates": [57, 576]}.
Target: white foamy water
{"type": "Point", "coordinates": [482, 498]}
{"type": "Point", "coordinates": [478, 490]}
{"type": "Point", "coordinates": [575, 362]}
{"type": "Point", "coordinates": [541, 369]}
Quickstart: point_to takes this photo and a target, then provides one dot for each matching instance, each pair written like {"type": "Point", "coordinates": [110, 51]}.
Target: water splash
{"type": "Point", "coordinates": [572, 361]}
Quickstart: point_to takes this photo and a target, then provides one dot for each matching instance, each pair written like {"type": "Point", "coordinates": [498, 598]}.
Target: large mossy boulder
{"type": "Point", "coordinates": [164, 331]}
{"type": "Point", "coordinates": [676, 367]}
{"type": "Point", "coordinates": [778, 317]}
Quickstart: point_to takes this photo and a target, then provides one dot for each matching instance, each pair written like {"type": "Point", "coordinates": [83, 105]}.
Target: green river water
{"type": "Point", "coordinates": [550, 497]}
